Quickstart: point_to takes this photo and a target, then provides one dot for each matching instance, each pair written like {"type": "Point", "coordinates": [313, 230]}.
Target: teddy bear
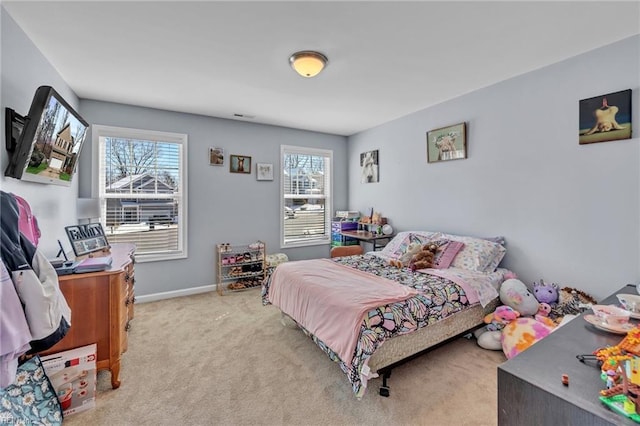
{"type": "Point", "coordinates": [406, 257]}
{"type": "Point", "coordinates": [424, 258]}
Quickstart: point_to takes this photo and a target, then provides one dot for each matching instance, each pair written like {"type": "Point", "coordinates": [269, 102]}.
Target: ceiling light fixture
{"type": "Point", "coordinates": [308, 63]}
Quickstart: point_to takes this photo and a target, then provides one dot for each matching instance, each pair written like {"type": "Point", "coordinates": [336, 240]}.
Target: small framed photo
{"type": "Point", "coordinates": [87, 238]}
{"type": "Point", "coordinates": [239, 164]}
{"type": "Point", "coordinates": [264, 171]}
{"type": "Point", "coordinates": [216, 156]}
{"type": "Point", "coordinates": [369, 167]}
{"type": "Point", "coordinates": [605, 118]}
{"type": "Point", "coordinates": [447, 143]}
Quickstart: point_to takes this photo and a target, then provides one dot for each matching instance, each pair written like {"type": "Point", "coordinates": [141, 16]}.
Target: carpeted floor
{"type": "Point", "coordinates": [227, 360]}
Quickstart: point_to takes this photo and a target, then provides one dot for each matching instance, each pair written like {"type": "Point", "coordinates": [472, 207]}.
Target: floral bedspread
{"type": "Point", "coordinates": [438, 298]}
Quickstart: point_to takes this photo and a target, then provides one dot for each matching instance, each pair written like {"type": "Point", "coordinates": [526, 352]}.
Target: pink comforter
{"type": "Point", "coordinates": [333, 307]}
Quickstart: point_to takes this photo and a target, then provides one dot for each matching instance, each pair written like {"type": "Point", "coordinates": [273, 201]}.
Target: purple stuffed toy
{"type": "Point", "coordinates": [545, 293]}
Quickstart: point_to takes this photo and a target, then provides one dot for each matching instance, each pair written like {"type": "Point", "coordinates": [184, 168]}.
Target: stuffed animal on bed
{"type": "Point", "coordinates": [424, 258]}
{"type": "Point", "coordinates": [406, 257]}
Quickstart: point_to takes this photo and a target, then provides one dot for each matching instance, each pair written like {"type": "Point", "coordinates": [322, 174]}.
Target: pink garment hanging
{"type": "Point", "coordinates": [27, 222]}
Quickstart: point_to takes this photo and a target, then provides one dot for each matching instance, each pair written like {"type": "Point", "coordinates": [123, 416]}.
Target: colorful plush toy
{"type": "Point", "coordinates": [545, 293]}
{"type": "Point", "coordinates": [519, 331]}
{"type": "Point", "coordinates": [502, 316]}
{"type": "Point", "coordinates": [515, 293]}
{"type": "Point", "coordinates": [544, 310]}
{"type": "Point", "coordinates": [518, 335]}
{"type": "Point", "coordinates": [424, 258]}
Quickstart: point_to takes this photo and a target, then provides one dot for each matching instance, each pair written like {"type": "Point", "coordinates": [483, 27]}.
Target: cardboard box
{"type": "Point", "coordinates": [73, 376]}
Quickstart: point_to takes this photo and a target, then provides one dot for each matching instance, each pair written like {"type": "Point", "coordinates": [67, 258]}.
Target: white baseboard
{"type": "Point", "coordinates": [175, 293]}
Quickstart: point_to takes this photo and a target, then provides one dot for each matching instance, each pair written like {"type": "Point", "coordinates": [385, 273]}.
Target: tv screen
{"type": "Point", "coordinates": [45, 145]}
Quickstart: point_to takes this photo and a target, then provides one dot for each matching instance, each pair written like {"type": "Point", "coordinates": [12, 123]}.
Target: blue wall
{"type": "Point", "coordinates": [23, 70]}
{"type": "Point", "coordinates": [570, 212]}
{"type": "Point", "coordinates": [223, 206]}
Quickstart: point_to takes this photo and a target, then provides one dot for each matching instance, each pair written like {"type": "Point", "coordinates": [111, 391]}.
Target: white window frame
{"type": "Point", "coordinates": [325, 239]}
{"type": "Point", "coordinates": [98, 179]}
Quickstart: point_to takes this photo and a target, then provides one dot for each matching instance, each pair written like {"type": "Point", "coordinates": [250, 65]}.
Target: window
{"type": "Point", "coordinates": [142, 190]}
{"type": "Point", "coordinates": [305, 178]}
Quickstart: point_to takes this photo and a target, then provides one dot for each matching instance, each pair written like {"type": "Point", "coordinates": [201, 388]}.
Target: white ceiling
{"type": "Point", "coordinates": [386, 59]}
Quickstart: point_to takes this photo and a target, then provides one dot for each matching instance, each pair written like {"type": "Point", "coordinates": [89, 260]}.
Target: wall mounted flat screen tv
{"type": "Point", "coordinates": [44, 146]}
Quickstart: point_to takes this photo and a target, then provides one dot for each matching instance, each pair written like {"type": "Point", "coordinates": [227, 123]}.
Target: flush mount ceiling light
{"type": "Point", "coordinates": [308, 63]}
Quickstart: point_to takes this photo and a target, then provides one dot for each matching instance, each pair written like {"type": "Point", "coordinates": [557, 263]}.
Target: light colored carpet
{"type": "Point", "coordinates": [227, 360]}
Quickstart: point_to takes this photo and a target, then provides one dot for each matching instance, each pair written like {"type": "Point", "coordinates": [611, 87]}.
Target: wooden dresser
{"type": "Point", "coordinates": [101, 310]}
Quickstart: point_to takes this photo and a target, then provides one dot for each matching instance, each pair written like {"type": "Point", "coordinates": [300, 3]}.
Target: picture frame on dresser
{"type": "Point", "coordinates": [87, 238]}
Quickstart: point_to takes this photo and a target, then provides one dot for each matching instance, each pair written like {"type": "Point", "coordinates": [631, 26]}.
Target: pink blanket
{"type": "Point", "coordinates": [330, 300]}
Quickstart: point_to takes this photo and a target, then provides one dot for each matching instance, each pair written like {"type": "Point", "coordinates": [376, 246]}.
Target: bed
{"type": "Point", "coordinates": [369, 316]}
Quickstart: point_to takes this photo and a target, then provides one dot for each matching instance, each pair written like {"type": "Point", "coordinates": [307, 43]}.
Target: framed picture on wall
{"type": "Point", "coordinates": [605, 118]}
{"type": "Point", "coordinates": [447, 143]}
{"type": "Point", "coordinates": [264, 171]}
{"type": "Point", "coordinates": [239, 164]}
{"type": "Point", "coordinates": [369, 167]}
{"type": "Point", "coordinates": [216, 156]}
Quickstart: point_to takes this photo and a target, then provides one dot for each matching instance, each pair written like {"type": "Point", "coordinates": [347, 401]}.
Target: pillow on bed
{"type": "Point", "coordinates": [499, 239]}
{"type": "Point", "coordinates": [447, 252]}
{"type": "Point", "coordinates": [477, 255]}
{"type": "Point", "coordinates": [398, 244]}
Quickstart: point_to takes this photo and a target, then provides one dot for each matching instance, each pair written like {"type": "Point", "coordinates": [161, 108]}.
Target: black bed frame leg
{"type": "Point", "coordinates": [384, 389]}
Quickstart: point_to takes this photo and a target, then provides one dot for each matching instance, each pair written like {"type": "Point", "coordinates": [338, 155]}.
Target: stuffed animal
{"type": "Point", "coordinates": [489, 336]}
{"type": "Point", "coordinates": [424, 258]}
{"type": "Point", "coordinates": [518, 335]}
{"type": "Point", "coordinates": [514, 293]}
{"type": "Point", "coordinates": [406, 257]}
{"type": "Point", "coordinates": [502, 316]}
{"type": "Point", "coordinates": [544, 310]}
{"type": "Point", "coordinates": [520, 332]}
{"type": "Point", "coordinates": [545, 293]}
{"type": "Point", "coordinates": [570, 302]}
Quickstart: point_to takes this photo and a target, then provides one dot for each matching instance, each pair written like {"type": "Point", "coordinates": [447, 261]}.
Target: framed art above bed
{"type": "Point", "coordinates": [447, 143]}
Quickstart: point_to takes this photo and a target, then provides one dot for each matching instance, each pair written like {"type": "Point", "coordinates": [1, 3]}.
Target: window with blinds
{"type": "Point", "coordinates": [142, 190]}
{"type": "Point", "coordinates": [305, 178]}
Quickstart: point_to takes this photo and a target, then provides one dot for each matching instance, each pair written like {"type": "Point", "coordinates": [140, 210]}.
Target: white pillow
{"type": "Point", "coordinates": [477, 254]}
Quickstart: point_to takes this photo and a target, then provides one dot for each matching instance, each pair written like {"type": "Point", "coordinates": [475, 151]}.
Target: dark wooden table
{"type": "Point", "coordinates": [369, 237]}
{"type": "Point", "coordinates": [530, 389]}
